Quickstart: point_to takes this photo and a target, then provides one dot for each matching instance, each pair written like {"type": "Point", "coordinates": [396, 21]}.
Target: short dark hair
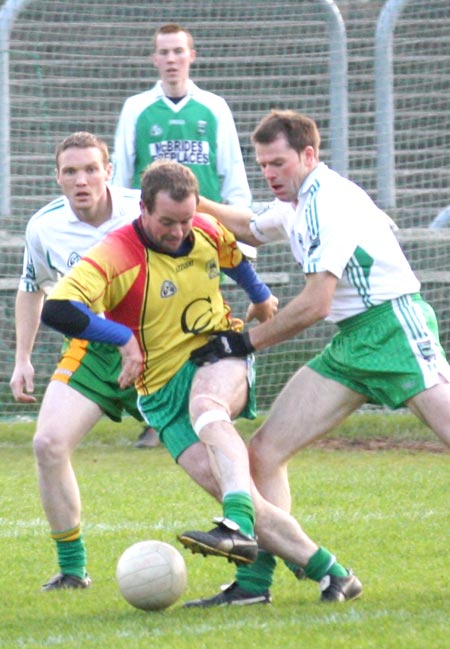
{"type": "Point", "coordinates": [173, 28]}
{"type": "Point", "coordinates": [82, 140]}
{"type": "Point", "coordinates": [300, 131]}
{"type": "Point", "coordinates": [167, 176]}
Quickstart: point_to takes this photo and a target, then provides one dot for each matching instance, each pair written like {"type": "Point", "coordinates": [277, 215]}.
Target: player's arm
{"type": "Point", "coordinates": [236, 219]}
{"type": "Point", "coordinates": [28, 309]}
{"type": "Point", "coordinates": [76, 320]}
{"type": "Point", "coordinates": [312, 304]}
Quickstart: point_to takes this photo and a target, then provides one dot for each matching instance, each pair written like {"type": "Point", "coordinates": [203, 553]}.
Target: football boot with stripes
{"type": "Point", "coordinates": [231, 595]}
{"type": "Point", "coordinates": [224, 540]}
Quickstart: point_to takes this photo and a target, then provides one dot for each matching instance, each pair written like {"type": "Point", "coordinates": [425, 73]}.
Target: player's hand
{"type": "Point", "coordinates": [262, 311]}
{"type": "Point", "coordinates": [22, 382]}
{"type": "Point", "coordinates": [224, 344]}
{"type": "Point", "coordinates": [132, 363]}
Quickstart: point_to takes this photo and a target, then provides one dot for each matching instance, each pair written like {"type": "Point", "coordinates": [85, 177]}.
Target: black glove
{"type": "Point", "coordinates": [224, 344]}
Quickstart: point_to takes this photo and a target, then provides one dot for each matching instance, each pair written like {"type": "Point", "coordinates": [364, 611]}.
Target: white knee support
{"type": "Point", "coordinates": [209, 417]}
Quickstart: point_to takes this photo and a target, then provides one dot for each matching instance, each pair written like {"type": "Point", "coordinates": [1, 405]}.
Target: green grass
{"type": "Point", "coordinates": [384, 513]}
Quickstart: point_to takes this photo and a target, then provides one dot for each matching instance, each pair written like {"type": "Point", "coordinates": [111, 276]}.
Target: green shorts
{"type": "Point", "coordinates": [167, 410]}
{"type": "Point", "coordinates": [93, 369]}
{"type": "Point", "coordinates": [389, 353]}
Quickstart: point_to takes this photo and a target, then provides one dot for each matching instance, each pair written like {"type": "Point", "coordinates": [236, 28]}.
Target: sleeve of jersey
{"type": "Point", "coordinates": [270, 221]}
{"type": "Point", "coordinates": [76, 320]}
{"type": "Point", "coordinates": [37, 271]}
{"type": "Point", "coordinates": [235, 189]}
{"type": "Point", "coordinates": [245, 275]}
{"type": "Point", "coordinates": [124, 151]}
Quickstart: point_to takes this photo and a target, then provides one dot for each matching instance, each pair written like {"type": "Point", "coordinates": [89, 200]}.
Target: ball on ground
{"type": "Point", "coordinates": [151, 575]}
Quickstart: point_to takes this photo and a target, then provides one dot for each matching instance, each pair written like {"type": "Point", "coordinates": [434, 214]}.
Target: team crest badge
{"type": "Point", "coordinates": [168, 289]}
{"type": "Point", "coordinates": [201, 126]}
{"type": "Point", "coordinates": [212, 269]}
{"type": "Point", "coordinates": [74, 258]}
{"type": "Point", "coordinates": [156, 130]}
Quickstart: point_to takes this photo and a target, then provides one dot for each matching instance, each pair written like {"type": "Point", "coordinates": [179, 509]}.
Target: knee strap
{"type": "Point", "coordinates": [209, 417]}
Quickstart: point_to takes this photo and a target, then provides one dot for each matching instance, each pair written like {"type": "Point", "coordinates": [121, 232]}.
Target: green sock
{"type": "Point", "coordinates": [324, 563]}
{"type": "Point", "coordinates": [71, 552]}
{"type": "Point", "coordinates": [258, 576]}
{"type": "Point", "coordinates": [238, 507]}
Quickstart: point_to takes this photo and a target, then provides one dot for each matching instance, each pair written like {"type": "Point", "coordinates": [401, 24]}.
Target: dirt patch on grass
{"type": "Point", "coordinates": [381, 444]}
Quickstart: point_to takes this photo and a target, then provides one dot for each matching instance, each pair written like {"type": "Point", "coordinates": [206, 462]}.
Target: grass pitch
{"type": "Point", "coordinates": [384, 513]}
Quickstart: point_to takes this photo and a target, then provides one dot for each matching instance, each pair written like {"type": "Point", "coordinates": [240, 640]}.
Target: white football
{"type": "Point", "coordinates": [151, 575]}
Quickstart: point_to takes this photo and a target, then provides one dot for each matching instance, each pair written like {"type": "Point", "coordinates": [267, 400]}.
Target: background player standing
{"type": "Point", "coordinates": [179, 121]}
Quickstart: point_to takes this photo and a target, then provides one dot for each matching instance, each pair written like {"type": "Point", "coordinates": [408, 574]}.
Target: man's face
{"type": "Point", "coordinates": [283, 168]}
{"type": "Point", "coordinates": [173, 58]}
{"type": "Point", "coordinates": [82, 176]}
{"type": "Point", "coordinates": [170, 222]}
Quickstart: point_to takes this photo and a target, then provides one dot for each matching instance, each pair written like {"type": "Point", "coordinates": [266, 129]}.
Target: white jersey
{"type": "Point", "coordinates": [336, 227]}
{"type": "Point", "coordinates": [56, 239]}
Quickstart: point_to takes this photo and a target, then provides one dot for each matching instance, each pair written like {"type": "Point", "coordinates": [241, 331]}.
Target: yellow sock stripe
{"type": "Point", "coordinates": [67, 535]}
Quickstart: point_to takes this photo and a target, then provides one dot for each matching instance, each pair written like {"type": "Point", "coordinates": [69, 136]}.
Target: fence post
{"type": "Point", "coordinates": [338, 69]}
{"type": "Point", "coordinates": [384, 103]}
{"type": "Point", "coordinates": [8, 14]}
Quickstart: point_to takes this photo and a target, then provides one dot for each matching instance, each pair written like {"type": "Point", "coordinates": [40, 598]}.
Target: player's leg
{"type": "Point", "coordinates": [83, 387]}
{"type": "Point", "coordinates": [213, 406]}
{"type": "Point", "coordinates": [278, 532]}
{"type": "Point", "coordinates": [148, 438]}
{"type": "Point", "coordinates": [218, 394]}
{"type": "Point", "coordinates": [432, 406]}
{"type": "Point", "coordinates": [65, 417]}
{"type": "Point", "coordinates": [308, 407]}
{"type": "Point", "coordinates": [168, 409]}
{"type": "Point", "coordinates": [281, 533]}
{"type": "Point", "coordinates": [195, 461]}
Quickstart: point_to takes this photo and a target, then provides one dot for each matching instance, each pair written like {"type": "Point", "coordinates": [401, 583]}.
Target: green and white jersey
{"type": "Point", "coordinates": [198, 131]}
{"type": "Point", "coordinates": [336, 227]}
{"type": "Point", "coordinates": [56, 239]}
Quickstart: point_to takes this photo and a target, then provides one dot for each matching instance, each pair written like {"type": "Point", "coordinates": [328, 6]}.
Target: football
{"type": "Point", "coordinates": [151, 575]}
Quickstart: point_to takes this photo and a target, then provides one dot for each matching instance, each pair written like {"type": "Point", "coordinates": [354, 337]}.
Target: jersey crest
{"type": "Point", "coordinates": [212, 268]}
{"type": "Point", "coordinates": [168, 289]}
{"type": "Point", "coordinates": [74, 258]}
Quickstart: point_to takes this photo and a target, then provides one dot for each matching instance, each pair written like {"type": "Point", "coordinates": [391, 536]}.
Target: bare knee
{"type": "Point", "coordinates": [202, 403]}
{"type": "Point", "coordinates": [49, 449]}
